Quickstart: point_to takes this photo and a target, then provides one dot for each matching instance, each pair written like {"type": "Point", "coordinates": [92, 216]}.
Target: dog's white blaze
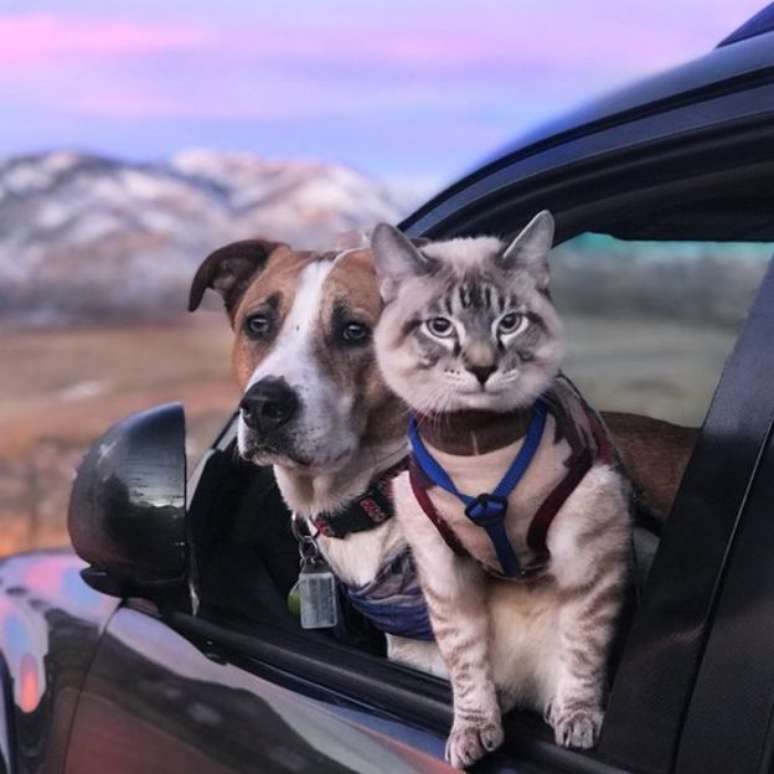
{"type": "Point", "coordinates": [324, 431]}
{"type": "Point", "coordinates": [294, 359]}
{"type": "Point", "coordinates": [319, 437]}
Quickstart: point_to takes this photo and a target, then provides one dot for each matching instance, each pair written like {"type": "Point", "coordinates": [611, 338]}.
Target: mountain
{"type": "Point", "coordinates": [84, 237]}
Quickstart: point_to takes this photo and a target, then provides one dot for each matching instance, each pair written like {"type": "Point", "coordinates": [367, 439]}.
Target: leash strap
{"type": "Point", "coordinates": [488, 509]}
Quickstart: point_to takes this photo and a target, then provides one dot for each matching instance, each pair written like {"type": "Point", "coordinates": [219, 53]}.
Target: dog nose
{"type": "Point", "coordinates": [482, 373]}
{"type": "Point", "coordinates": [268, 404]}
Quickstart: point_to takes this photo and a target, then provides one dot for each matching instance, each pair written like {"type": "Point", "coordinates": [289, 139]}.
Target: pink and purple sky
{"type": "Point", "coordinates": [408, 91]}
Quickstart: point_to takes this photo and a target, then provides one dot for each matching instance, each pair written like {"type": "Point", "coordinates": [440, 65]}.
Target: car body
{"type": "Point", "coordinates": [129, 661]}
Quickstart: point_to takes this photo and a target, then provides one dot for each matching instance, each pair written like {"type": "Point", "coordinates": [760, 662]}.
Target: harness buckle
{"type": "Point", "coordinates": [487, 509]}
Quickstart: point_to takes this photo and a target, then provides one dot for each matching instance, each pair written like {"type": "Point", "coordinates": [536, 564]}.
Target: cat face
{"type": "Point", "coordinates": [467, 323]}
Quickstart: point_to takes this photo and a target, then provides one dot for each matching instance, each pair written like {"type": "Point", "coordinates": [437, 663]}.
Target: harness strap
{"type": "Point", "coordinates": [537, 532]}
{"type": "Point", "coordinates": [393, 601]}
{"type": "Point", "coordinates": [606, 452]}
{"type": "Point", "coordinates": [488, 510]}
{"type": "Point", "coordinates": [544, 516]}
{"type": "Point", "coordinates": [419, 486]}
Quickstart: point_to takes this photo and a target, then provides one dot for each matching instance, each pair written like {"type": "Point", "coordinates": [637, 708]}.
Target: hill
{"type": "Point", "coordinates": [85, 238]}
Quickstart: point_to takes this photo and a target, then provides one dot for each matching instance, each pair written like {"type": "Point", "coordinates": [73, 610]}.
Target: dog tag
{"type": "Point", "coordinates": [317, 596]}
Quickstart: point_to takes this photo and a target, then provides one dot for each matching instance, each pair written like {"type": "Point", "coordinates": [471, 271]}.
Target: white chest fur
{"type": "Point", "coordinates": [357, 558]}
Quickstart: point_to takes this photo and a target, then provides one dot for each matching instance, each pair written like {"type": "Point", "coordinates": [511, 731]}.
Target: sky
{"type": "Point", "coordinates": [408, 91]}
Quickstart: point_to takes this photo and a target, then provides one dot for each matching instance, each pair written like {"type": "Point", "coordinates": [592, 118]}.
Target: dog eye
{"type": "Point", "coordinates": [258, 325]}
{"type": "Point", "coordinates": [510, 322]}
{"type": "Point", "coordinates": [355, 332]}
{"type": "Point", "coordinates": [440, 326]}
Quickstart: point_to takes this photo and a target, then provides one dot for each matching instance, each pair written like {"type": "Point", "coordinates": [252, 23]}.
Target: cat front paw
{"type": "Point", "coordinates": [469, 741]}
{"type": "Point", "coordinates": [577, 728]}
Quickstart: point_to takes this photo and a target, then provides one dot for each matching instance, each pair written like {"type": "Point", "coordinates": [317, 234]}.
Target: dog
{"type": "Point", "coordinates": [315, 407]}
{"type": "Point", "coordinates": [313, 403]}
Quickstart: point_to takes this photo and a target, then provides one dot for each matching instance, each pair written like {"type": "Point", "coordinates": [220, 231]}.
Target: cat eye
{"type": "Point", "coordinates": [258, 325]}
{"type": "Point", "coordinates": [510, 322]}
{"type": "Point", "coordinates": [355, 332]}
{"type": "Point", "coordinates": [440, 326]}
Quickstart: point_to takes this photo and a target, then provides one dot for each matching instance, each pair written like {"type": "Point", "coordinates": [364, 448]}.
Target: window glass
{"type": "Point", "coordinates": [649, 324]}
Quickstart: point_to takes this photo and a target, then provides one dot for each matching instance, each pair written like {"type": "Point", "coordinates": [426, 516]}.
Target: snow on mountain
{"type": "Point", "coordinates": [84, 237]}
{"type": "Point", "coordinates": [89, 238]}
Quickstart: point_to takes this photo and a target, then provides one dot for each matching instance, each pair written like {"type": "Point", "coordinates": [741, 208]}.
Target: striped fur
{"type": "Point", "coordinates": [544, 644]}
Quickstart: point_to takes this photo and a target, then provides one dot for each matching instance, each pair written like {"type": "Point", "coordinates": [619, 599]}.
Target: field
{"type": "Point", "coordinates": [59, 389]}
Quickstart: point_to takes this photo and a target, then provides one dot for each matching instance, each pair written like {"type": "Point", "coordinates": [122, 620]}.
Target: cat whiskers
{"type": "Point", "coordinates": [435, 412]}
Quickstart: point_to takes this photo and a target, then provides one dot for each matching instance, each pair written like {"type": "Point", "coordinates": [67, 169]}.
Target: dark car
{"type": "Point", "coordinates": [171, 649]}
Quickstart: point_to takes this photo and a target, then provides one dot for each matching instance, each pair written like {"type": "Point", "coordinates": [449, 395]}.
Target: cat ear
{"type": "Point", "coordinates": [396, 259]}
{"type": "Point", "coordinates": [529, 250]}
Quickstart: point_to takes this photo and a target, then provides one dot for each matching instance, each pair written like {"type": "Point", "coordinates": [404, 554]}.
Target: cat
{"type": "Point", "coordinates": [470, 339]}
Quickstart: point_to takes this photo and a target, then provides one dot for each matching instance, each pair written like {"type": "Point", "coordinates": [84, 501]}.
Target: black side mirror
{"type": "Point", "coordinates": [127, 515]}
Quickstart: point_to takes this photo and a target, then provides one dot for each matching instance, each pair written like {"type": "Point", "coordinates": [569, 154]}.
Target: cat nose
{"type": "Point", "coordinates": [482, 373]}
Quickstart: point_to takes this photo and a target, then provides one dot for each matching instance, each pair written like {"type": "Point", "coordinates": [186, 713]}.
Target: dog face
{"type": "Point", "coordinates": [303, 353]}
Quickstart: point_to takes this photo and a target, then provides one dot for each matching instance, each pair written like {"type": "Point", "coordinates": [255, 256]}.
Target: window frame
{"type": "Point", "coordinates": [319, 668]}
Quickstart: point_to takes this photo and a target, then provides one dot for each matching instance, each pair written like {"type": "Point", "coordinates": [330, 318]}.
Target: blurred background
{"type": "Point", "coordinates": [137, 137]}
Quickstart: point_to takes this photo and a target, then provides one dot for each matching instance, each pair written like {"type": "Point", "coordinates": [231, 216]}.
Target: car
{"type": "Point", "coordinates": [166, 643]}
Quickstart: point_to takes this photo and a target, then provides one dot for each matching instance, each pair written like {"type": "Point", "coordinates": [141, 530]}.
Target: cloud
{"type": "Point", "coordinates": [422, 78]}
{"type": "Point", "coordinates": [275, 68]}
{"type": "Point", "coordinates": [41, 39]}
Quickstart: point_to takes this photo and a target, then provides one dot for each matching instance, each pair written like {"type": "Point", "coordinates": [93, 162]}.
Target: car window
{"type": "Point", "coordinates": [649, 324]}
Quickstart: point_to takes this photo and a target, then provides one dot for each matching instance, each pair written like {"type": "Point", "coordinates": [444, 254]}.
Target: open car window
{"type": "Point", "coordinates": [652, 351]}
{"type": "Point", "coordinates": [649, 324]}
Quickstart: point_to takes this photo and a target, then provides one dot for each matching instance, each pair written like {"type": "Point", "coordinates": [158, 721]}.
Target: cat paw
{"type": "Point", "coordinates": [470, 741]}
{"type": "Point", "coordinates": [577, 728]}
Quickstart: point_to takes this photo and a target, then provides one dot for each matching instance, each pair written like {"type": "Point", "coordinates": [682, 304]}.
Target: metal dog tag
{"type": "Point", "coordinates": [317, 594]}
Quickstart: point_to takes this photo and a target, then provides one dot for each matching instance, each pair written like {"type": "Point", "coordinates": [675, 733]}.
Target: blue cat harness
{"type": "Point", "coordinates": [589, 442]}
{"type": "Point", "coordinates": [487, 510]}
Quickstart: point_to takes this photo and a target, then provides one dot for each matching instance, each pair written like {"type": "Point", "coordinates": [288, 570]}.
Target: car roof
{"type": "Point", "coordinates": [732, 66]}
{"type": "Point", "coordinates": [723, 64]}
{"type": "Point", "coordinates": [763, 21]}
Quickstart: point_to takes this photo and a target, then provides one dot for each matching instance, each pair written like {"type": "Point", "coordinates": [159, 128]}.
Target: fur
{"type": "Point", "coordinates": [544, 644]}
{"type": "Point", "coordinates": [350, 427]}
{"type": "Point", "coordinates": [250, 273]}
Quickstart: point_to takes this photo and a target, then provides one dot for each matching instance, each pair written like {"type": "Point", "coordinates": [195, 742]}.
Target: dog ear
{"type": "Point", "coordinates": [396, 258]}
{"type": "Point", "coordinates": [229, 270]}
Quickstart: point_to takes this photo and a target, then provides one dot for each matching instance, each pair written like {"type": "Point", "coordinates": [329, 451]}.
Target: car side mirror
{"type": "Point", "coordinates": [127, 515]}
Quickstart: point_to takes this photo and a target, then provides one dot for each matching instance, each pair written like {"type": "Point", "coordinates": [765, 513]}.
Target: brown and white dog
{"type": "Point", "coordinates": [315, 407]}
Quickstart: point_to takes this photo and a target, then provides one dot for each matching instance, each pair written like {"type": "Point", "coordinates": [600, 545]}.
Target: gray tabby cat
{"type": "Point", "coordinates": [470, 339]}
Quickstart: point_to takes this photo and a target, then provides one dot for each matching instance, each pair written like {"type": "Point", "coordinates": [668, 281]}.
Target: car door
{"type": "Point", "coordinates": [242, 689]}
{"type": "Point", "coordinates": [157, 699]}
{"type": "Point", "coordinates": [239, 687]}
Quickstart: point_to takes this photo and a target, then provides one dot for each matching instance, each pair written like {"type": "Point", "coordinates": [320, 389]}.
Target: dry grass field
{"type": "Point", "coordinates": [59, 389]}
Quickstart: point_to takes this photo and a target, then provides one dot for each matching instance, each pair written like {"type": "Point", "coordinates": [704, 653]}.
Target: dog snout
{"type": "Point", "coordinates": [268, 404]}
